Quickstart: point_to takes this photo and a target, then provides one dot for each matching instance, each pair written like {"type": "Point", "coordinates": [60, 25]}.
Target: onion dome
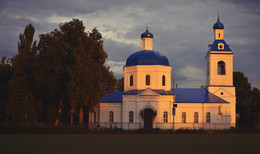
{"type": "Point", "coordinates": [147, 57]}
{"type": "Point", "coordinates": [147, 34]}
{"type": "Point", "coordinates": [218, 25]}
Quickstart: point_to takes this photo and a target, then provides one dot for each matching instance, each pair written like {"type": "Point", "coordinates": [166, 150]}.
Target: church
{"type": "Point", "coordinates": [149, 101]}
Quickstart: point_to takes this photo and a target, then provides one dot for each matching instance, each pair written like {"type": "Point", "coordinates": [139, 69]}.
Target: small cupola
{"type": "Point", "coordinates": [218, 24]}
{"type": "Point", "coordinates": [219, 30]}
{"type": "Point", "coordinates": [147, 34]}
{"type": "Point", "coordinates": [147, 40]}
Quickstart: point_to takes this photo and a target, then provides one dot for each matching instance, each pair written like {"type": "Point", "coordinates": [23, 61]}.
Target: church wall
{"type": "Point", "coordinates": [224, 80]}
{"type": "Point", "coordinates": [219, 114]}
{"type": "Point", "coordinates": [139, 73]}
{"type": "Point", "coordinates": [105, 108]}
{"type": "Point", "coordinates": [228, 94]}
{"type": "Point", "coordinates": [219, 34]}
{"type": "Point", "coordinates": [137, 103]}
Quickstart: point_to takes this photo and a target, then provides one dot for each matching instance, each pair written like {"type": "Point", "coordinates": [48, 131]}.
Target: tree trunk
{"type": "Point", "coordinates": [57, 120]}
{"type": "Point", "coordinates": [81, 116]}
{"type": "Point", "coordinates": [71, 116]}
{"type": "Point", "coordinates": [26, 115]}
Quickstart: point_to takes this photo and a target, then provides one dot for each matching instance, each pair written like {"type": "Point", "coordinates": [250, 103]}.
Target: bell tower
{"type": "Point", "coordinates": [219, 60]}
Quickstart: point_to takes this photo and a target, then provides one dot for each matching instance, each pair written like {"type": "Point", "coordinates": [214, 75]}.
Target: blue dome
{"type": "Point", "coordinates": [218, 25]}
{"type": "Point", "coordinates": [147, 34]}
{"type": "Point", "coordinates": [147, 57]}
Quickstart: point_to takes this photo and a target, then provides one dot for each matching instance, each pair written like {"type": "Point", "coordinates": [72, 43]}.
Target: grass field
{"type": "Point", "coordinates": [120, 144]}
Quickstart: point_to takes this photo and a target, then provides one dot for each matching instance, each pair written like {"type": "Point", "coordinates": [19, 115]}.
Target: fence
{"type": "Point", "coordinates": [175, 126]}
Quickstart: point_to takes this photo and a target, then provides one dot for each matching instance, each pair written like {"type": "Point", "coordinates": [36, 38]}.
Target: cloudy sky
{"type": "Point", "coordinates": [182, 30]}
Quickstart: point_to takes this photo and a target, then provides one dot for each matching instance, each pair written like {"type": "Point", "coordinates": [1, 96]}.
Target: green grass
{"type": "Point", "coordinates": [103, 144]}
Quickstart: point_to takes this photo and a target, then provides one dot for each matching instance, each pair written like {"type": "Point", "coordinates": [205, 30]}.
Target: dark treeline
{"type": "Point", "coordinates": [57, 80]}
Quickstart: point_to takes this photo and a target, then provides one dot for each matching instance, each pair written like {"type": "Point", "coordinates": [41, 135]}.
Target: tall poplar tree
{"type": "Point", "coordinates": [22, 106]}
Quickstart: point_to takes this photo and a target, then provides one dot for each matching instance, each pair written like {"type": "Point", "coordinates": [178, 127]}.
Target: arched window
{"type": "Point", "coordinates": [131, 80]}
{"type": "Point", "coordinates": [131, 117]}
{"type": "Point", "coordinates": [183, 117]}
{"type": "Point", "coordinates": [147, 80]}
{"type": "Point", "coordinates": [196, 117]}
{"type": "Point", "coordinates": [95, 116]}
{"type": "Point", "coordinates": [111, 116]}
{"type": "Point", "coordinates": [221, 68]}
{"type": "Point", "coordinates": [165, 117]}
{"type": "Point", "coordinates": [208, 117]}
{"type": "Point", "coordinates": [163, 80]}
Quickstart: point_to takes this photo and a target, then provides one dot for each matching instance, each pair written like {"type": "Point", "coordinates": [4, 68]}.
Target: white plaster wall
{"type": "Point", "coordinates": [139, 73]}
{"type": "Point", "coordinates": [202, 109]}
{"type": "Point", "coordinates": [214, 78]}
{"type": "Point", "coordinates": [217, 32]}
{"type": "Point", "coordinates": [147, 44]}
{"type": "Point", "coordinates": [228, 94]}
{"type": "Point", "coordinates": [105, 108]}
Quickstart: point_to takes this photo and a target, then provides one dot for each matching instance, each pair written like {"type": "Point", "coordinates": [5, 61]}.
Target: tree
{"type": "Point", "coordinates": [90, 79]}
{"type": "Point", "coordinates": [5, 76]}
{"type": "Point", "coordinates": [243, 90]}
{"type": "Point", "coordinates": [52, 76]}
{"type": "Point", "coordinates": [75, 64]}
{"type": "Point", "coordinates": [22, 106]}
{"type": "Point", "coordinates": [248, 100]}
{"type": "Point", "coordinates": [120, 84]}
{"type": "Point", "coordinates": [255, 96]}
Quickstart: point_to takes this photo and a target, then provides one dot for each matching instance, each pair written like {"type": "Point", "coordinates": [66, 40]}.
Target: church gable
{"type": "Point", "coordinates": [148, 92]}
{"type": "Point", "coordinates": [222, 92]}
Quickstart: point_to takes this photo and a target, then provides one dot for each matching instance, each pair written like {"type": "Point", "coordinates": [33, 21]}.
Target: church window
{"type": "Point", "coordinates": [95, 116]}
{"type": "Point", "coordinates": [221, 46]}
{"type": "Point", "coordinates": [131, 117]}
{"type": "Point", "coordinates": [163, 80]}
{"type": "Point", "coordinates": [196, 117]}
{"type": "Point", "coordinates": [165, 117]}
{"type": "Point", "coordinates": [147, 80]}
{"type": "Point", "coordinates": [111, 116]}
{"type": "Point", "coordinates": [221, 68]}
{"type": "Point", "coordinates": [208, 117]}
{"type": "Point", "coordinates": [131, 80]}
{"type": "Point", "coordinates": [183, 117]}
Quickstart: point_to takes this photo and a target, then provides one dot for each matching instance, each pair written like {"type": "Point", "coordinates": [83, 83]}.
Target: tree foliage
{"type": "Point", "coordinates": [21, 103]}
{"type": "Point", "coordinates": [248, 100]}
{"type": "Point", "coordinates": [48, 81]}
{"type": "Point", "coordinates": [120, 84]}
{"type": "Point", "coordinates": [5, 76]}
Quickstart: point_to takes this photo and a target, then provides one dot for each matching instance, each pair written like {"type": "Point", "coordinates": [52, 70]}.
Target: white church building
{"type": "Point", "coordinates": [149, 101]}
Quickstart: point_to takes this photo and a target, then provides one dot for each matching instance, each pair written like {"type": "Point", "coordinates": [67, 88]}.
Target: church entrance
{"type": "Point", "coordinates": [148, 118]}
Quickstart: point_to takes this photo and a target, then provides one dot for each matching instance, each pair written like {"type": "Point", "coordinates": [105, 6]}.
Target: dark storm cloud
{"type": "Point", "coordinates": [182, 29]}
{"type": "Point", "coordinates": [249, 6]}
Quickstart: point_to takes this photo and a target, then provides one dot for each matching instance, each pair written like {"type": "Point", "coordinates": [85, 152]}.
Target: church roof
{"type": "Point", "coordinates": [183, 95]}
{"type": "Point", "coordinates": [147, 34]}
{"type": "Point", "coordinates": [136, 92]}
{"type": "Point", "coordinates": [196, 95]}
{"type": "Point", "coordinates": [147, 57]}
{"type": "Point", "coordinates": [218, 25]}
{"type": "Point", "coordinates": [214, 46]}
{"type": "Point", "coordinates": [115, 97]}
